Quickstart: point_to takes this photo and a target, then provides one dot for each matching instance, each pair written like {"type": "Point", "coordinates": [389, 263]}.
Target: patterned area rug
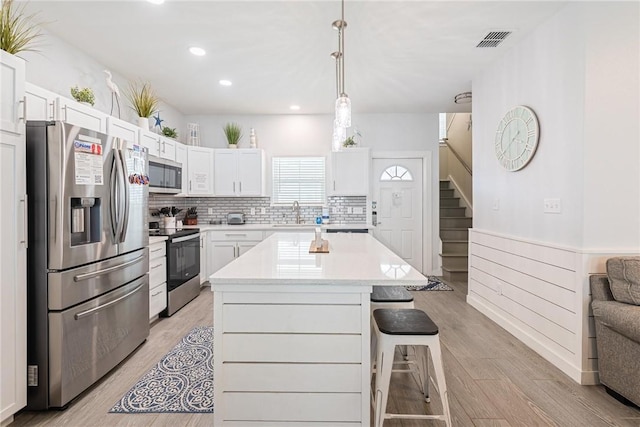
{"type": "Point", "coordinates": [181, 382]}
{"type": "Point", "coordinates": [435, 284]}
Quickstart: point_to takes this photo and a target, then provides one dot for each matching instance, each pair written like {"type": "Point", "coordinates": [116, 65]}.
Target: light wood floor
{"type": "Point", "coordinates": [493, 379]}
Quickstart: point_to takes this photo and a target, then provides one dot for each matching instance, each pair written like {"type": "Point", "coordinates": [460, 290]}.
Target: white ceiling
{"type": "Point", "coordinates": [400, 56]}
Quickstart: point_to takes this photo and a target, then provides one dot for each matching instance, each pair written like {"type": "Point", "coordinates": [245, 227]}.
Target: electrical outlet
{"type": "Point", "coordinates": [358, 211]}
{"type": "Point", "coordinates": [349, 210]}
{"type": "Point", "coordinates": [210, 211]}
{"type": "Point", "coordinates": [552, 206]}
{"type": "Point", "coordinates": [253, 211]}
{"type": "Point", "coordinates": [263, 211]}
{"type": "Point", "coordinates": [334, 210]}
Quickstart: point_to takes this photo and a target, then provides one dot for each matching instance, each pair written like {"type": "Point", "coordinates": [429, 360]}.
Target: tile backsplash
{"type": "Point", "coordinates": [341, 209]}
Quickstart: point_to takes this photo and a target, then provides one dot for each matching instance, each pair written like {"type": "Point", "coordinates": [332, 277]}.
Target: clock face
{"type": "Point", "coordinates": [517, 138]}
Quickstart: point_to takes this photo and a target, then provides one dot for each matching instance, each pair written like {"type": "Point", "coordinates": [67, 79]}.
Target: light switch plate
{"type": "Point", "coordinates": [263, 211]}
{"type": "Point", "coordinates": [496, 205]}
{"type": "Point", "coordinates": [358, 211]}
{"type": "Point", "coordinates": [253, 211]}
{"type": "Point", "coordinates": [210, 211]}
{"type": "Point", "coordinates": [349, 210]}
{"type": "Point", "coordinates": [552, 206]}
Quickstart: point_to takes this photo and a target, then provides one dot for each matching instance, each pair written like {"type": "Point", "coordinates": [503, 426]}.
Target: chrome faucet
{"type": "Point", "coordinates": [296, 209]}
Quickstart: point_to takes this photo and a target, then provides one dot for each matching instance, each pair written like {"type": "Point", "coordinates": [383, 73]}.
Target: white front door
{"type": "Point", "coordinates": [397, 192]}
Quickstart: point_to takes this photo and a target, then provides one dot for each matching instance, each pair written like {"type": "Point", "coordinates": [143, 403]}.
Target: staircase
{"type": "Point", "coordinates": [454, 233]}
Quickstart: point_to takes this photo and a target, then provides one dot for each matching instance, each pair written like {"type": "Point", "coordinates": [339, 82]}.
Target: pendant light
{"type": "Point", "coordinates": [343, 103]}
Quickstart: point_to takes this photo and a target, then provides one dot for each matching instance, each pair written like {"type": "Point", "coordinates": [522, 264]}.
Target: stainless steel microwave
{"type": "Point", "coordinates": [165, 176]}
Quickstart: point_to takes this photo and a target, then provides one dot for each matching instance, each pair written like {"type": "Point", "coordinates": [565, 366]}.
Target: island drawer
{"type": "Point", "coordinates": [291, 298]}
{"type": "Point", "coordinates": [304, 378]}
{"type": "Point", "coordinates": [307, 407]}
{"type": "Point", "coordinates": [277, 318]}
{"type": "Point", "coordinates": [296, 348]}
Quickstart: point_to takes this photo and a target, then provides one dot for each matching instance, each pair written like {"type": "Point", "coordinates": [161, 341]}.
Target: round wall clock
{"type": "Point", "coordinates": [517, 138]}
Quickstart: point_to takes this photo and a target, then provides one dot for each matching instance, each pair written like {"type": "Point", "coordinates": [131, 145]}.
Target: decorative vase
{"type": "Point", "coordinates": [233, 145]}
{"type": "Point", "coordinates": [143, 122]}
{"type": "Point", "coordinates": [253, 139]}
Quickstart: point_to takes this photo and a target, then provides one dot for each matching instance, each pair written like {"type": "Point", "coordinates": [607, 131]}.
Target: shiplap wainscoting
{"type": "Point", "coordinates": [540, 293]}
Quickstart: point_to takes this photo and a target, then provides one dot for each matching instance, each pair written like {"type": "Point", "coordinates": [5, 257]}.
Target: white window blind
{"type": "Point", "coordinates": [298, 178]}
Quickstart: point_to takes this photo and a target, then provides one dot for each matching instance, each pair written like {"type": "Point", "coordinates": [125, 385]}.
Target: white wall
{"type": "Point", "coordinates": [58, 66]}
{"type": "Point", "coordinates": [546, 73]}
{"type": "Point", "coordinates": [579, 72]}
{"type": "Point", "coordinates": [311, 135]}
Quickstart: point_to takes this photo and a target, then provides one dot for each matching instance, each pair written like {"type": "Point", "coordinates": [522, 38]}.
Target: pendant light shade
{"type": "Point", "coordinates": [339, 135]}
{"type": "Point", "coordinates": [343, 111]}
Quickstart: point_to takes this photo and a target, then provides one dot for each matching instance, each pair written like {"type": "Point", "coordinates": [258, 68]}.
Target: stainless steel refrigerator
{"type": "Point", "coordinates": [87, 261]}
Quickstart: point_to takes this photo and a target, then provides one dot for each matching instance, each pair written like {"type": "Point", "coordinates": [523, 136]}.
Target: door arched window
{"type": "Point", "coordinates": [396, 173]}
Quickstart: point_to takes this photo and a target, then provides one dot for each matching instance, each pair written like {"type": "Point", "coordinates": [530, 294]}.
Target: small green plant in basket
{"type": "Point", "coordinates": [83, 95]}
{"type": "Point", "coordinates": [169, 132]}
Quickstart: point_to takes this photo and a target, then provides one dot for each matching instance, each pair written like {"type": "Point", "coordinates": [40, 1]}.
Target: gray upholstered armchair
{"type": "Point", "coordinates": [616, 308]}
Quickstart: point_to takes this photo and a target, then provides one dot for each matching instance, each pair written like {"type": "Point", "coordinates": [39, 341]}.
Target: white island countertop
{"type": "Point", "coordinates": [284, 258]}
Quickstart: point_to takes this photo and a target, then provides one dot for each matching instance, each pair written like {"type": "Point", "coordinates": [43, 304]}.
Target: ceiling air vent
{"type": "Point", "coordinates": [493, 39]}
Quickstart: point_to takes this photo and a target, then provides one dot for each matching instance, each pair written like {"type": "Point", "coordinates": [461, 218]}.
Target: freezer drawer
{"type": "Point", "coordinates": [73, 286]}
{"type": "Point", "coordinates": [87, 341]}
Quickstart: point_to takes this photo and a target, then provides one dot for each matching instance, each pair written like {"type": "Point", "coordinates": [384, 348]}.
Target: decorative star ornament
{"type": "Point", "coordinates": [158, 120]}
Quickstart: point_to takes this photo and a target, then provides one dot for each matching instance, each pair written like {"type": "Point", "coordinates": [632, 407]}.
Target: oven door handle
{"type": "Point", "coordinates": [86, 276]}
{"type": "Point", "coordinates": [86, 313]}
{"type": "Point", "coordinates": [185, 238]}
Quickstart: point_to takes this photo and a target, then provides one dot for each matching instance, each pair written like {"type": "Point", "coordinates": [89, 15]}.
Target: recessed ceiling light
{"type": "Point", "coordinates": [225, 82]}
{"type": "Point", "coordinates": [197, 51]}
{"type": "Point", "coordinates": [156, 1]}
{"type": "Point", "coordinates": [294, 107]}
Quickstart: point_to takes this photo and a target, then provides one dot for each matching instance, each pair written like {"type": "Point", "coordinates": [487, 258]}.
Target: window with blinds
{"type": "Point", "coordinates": [298, 178]}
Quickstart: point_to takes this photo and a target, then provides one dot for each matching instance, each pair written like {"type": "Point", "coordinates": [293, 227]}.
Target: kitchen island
{"type": "Point", "coordinates": [292, 330]}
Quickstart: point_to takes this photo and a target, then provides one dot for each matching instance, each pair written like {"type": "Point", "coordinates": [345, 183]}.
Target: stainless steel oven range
{"type": "Point", "coordinates": [183, 266]}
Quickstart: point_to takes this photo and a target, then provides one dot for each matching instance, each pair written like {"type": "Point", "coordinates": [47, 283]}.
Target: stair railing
{"type": "Point", "coordinates": [455, 153]}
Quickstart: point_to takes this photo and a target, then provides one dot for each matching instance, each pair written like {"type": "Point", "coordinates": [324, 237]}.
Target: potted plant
{"type": "Point", "coordinates": [144, 102]}
{"type": "Point", "coordinates": [233, 132]}
{"type": "Point", "coordinates": [84, 95]}
{"type": "Point", "coordinates": [17, 32]}
{"type": "Point", "coordinates": [350, 142]}
{"type": "Point", "coordinates": [169, 132]}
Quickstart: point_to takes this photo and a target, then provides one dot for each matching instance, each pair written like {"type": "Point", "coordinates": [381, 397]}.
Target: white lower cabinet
{"type": "Point", "coordinates": [157, 278]}
{"type": "Point", "coordinates": [225, 246]}
{"type": "Point", "coordinates": [204, 257]}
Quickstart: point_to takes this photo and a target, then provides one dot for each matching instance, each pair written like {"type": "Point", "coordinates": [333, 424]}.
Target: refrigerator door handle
{"type": "Point", "coordinates": [112, 203]}
{"type": "Point", "coordinates": [127, 203]}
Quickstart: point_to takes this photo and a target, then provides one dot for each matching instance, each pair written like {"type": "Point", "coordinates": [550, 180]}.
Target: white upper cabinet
{"type": "Point", "coordinates": [200, 161]}
{"type": "Point", "coordinates": [42, 104]}
{"type": "Point", "coordinates": [182, 157]}
{"type": "Point", "coordinates": [149, 140]}
{"type": "Point", "coordinates": [168, 148]}
{"type": "Point", "coordinates": [349, 172]}
{"type": "Point", "coordinates": [239, 172]}
{"type": "Point", "coordinates": [74, 113]}
{"type": "Point", "coordinates": [124, 130]}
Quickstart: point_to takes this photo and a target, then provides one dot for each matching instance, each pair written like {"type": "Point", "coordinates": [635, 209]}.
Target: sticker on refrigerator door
{"type": "Point", "coordinates": [89, 168]}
